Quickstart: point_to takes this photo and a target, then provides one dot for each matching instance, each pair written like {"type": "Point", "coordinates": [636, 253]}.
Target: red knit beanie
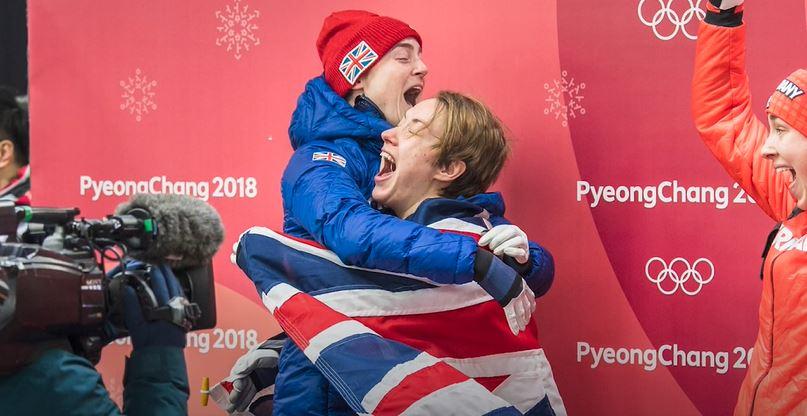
{"type": "Point", "coordinates": [351, 41]}
{"type": "Point", "coordinates": [789, 103]}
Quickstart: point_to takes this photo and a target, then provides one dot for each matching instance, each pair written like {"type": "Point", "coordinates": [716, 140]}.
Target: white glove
{"type": "Point", "coordinates": [235, 250]}
{"type": "Point", "coordinates": [233, 253]}
{"type": "Point", "coordinates": [243, 392]}
{"type": "Point", "coordinates": [519, 310]}
{"type": "Point", "coordinates": [727, 4]}
{"type": "Point", "coordinates": [509, 240]}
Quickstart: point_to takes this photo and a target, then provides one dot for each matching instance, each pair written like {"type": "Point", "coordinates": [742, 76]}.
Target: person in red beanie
{"type": "Point", "coordinates": [372, 74]}
{"type": "Point", "coordinates": [374, 59]}
{"type": "Point", "coordinates": [770, 163]}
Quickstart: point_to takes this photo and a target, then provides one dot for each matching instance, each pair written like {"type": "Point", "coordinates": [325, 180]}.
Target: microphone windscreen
{"type": "Point", "coordinates": [189, 231]}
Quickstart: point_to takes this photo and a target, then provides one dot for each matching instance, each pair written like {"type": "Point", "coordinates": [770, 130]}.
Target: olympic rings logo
{"type": "Point", "coordinates": [666, 12]}
{"type": "Point", "coordinates": [679, 271]}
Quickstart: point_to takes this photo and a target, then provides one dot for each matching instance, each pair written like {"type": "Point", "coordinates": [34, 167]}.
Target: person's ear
{"type": "Point", "coordinates": [6, 153]}
{"type": "Point", "coordinates": [451, 171]}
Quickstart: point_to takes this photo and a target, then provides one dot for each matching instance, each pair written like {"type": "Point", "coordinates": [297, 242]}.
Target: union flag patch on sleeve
{"type": "Point", "coordinates": [329, 157]}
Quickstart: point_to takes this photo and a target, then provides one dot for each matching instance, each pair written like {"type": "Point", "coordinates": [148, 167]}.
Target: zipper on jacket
{"type": "Point", "coordinates": [773, 320]}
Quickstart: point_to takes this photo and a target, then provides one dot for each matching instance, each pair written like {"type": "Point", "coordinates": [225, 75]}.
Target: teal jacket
{"type": "Point", "coordinates": [60, 383]}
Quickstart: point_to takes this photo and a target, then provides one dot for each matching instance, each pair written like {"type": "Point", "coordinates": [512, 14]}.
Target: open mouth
{"type": "Point", "coordinates": [789, 171]}
{"type": "Point", "coordinates": [411, 95]}
{"type": "Point", "coordinates": [387, 165]}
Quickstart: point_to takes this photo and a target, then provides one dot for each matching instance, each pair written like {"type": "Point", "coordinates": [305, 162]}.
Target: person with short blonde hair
{"type": "Point", "coordinates": [436, 166]}
{"type": "Point", "coordinates": [449, 146]}
{"type": "Point", "coordinates": [474, 135]}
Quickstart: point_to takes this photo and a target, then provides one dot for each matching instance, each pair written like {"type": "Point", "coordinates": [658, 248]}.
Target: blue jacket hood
{"type": "Point", "coordinates": [492, 202]}
{"type": "Point", "coordinates": [434, 209]}
{"type": "Point", "coordinates": [321, 114]}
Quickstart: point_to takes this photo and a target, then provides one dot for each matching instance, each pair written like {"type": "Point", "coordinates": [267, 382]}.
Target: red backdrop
{"type": "Point", "coordinates": [606, 170]}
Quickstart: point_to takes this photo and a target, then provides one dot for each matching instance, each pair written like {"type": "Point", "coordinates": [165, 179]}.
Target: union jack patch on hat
{"type": "Point", "coordinates": [356, 61]}
{"type": "Point", "coordinates": [329, 157]}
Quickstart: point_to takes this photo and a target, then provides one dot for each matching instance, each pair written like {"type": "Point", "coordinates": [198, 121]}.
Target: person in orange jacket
{"type": "Point", "coordinates": [770, 163]}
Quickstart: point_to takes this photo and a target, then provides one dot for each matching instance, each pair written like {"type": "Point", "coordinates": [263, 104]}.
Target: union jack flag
{"type": "Point", "coordinates": [431, 358]}
{"type": "Point", "coordinates": [329, 157]}
{"type": "Point", "coordinates": [356, 61]}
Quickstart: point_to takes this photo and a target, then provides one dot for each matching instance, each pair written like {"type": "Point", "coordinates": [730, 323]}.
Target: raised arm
{"type": "Point", "coordinates": [721, 107]}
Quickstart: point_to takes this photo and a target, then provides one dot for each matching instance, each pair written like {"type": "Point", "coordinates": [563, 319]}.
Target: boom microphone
{"type": "Point", "coordinates": [189, 231]}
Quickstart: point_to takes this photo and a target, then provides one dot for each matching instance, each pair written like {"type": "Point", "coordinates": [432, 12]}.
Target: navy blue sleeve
{"type": "Point", "coordinates": [156, 382]}
{"type": "Point", "coordinates": [541, 274]}
{"type": "Point", "coordinates": [324, 198]}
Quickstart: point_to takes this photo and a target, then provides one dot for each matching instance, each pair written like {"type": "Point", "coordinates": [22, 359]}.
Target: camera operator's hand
{"type": "Point", "coordinates": [158, 333]}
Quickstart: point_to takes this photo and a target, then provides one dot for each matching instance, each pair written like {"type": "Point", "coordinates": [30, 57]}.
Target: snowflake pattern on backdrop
{"type": "Point", "coordinates": [237, 30]}
{"type": "Point", "coordinates": [138, 95]}
{"type": "Point", "coordinates": [564, 99]}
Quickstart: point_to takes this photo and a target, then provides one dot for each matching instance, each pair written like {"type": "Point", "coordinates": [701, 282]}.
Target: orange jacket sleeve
{"type": "Point", "coordinates": [721, 106]}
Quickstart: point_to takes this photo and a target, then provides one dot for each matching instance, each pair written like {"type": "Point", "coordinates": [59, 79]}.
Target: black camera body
{"type": "Point", "coordinates": [54, 292]}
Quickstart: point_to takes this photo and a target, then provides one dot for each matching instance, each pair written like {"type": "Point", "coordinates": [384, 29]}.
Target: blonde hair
{"type": "Point", "coordinates": [472, 135]}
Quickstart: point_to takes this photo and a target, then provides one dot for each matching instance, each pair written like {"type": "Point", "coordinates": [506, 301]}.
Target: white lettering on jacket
{"type": "Point", "coordinates": [785, 241]}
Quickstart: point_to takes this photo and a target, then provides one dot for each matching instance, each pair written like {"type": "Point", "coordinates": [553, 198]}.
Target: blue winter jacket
{"type": "Point", "coordinates": [326, 188]}
{"type": "Point", "coordinates": [327, 185]}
